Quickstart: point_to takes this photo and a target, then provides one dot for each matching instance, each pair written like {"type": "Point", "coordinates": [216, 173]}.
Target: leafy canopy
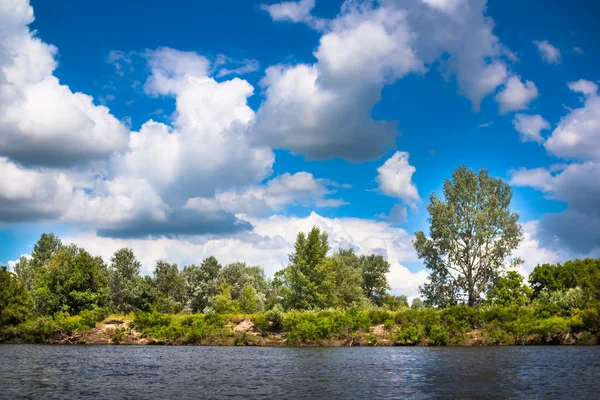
{"type": "Point", "coordinates": [472, 233]}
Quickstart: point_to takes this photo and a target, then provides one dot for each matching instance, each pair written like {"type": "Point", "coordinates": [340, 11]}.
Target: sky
{"type": "Point", "coordinates": [187, 129]}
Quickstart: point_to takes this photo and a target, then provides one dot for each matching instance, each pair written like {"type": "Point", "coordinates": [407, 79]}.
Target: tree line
{"type": "Point", "coordinates": [468, 253]}
{"type": "Point", "coordinates": [66, 278]}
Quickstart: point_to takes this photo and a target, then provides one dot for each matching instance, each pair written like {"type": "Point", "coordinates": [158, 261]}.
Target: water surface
{"type": "Point", "coordinates": [147, 372]}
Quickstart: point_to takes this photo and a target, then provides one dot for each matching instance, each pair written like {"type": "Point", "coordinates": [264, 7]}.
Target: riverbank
{"type": "Point", "coordinates": [455, 326]}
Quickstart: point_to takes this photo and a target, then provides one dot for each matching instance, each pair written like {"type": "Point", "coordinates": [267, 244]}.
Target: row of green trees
{"type": "Point", "coordinates": [468, 252]}
{"type": "Point", "coordinates": [66, 278]}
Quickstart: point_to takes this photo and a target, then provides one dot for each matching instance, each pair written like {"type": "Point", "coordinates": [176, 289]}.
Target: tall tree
{"type": "Point", "coordinates": [374, 270]}
{"type": "Point", "coordinates": [203, 283]}
{"type": "Point", "coordinates": [471, 237]}
{"type": "Point", "coordinates": [348, 277]}
{"type": "Point", "coordinates": [71, 280]}
{"type": "Point", "coordinates": [170, 286]}
{"type": "Point", "coordinates": [308, 279]}
{"type": "Point", "coordinates": [238, 275]}
{"type": "Point", "coordinates": [45, 248]}
{"type": "Point", "coordinates": [124, 281]}
{"type": "Point", "coordinates": [27, 268]}
{"type": "Point", "coordinates": [15, 302]}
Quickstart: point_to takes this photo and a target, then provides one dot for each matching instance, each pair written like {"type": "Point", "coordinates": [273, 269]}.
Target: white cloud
{"type": "Point", "coordinates": [548, 52]}
{"type": "Point", "coordinates": [577, 50]}
{"type": "Point", "coordinates": [532, 252]}
{"type": "Point", "coordinates": [577, 135]}
{"type": "Point", "coordinates": [206, 148]}
{"type": "Point", "coordinates": [295, 11]}
{"type": "Point", "coordinates": [530, 127]}
{"type": "Point", "coordinates": [324, 109]}
{"type": "Point", "coordinates": [516, 95]}
{"type": "Point", "coordinates": [42, 121]}
{"type": "Point", "coordinates": [537, 178]}
{"type": "Point", "coordinates": [270, 242]}
{"type": "Point", "coordinates": [576, 228]}
{"type": "Point", "coordinates": [583, 86]}
{"type": "Point", "coordinates": [395, 179]}
{"type": "Point", "coordinates": [29, 194]}
{"type": "Point", "coordinates": [300, 188]}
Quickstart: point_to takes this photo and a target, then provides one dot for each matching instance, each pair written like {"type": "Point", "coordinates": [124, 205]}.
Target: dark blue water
{"type": "Point", "coordinates": [146, 372]}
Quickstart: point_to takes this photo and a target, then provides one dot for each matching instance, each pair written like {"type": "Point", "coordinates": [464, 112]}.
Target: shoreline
{"type": "Point", "coordinates": [243, 332]}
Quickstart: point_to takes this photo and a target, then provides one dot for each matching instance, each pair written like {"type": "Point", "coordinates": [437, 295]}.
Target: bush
{"type": "Point", "coordinates": [276, 317]}
{"type": "Point", "coordinates": [438, 336]}
{"type": "Point", "coordinates": [410, 335]}
{"type": "Point", "coordinates": [389, 324]}
{"type": "Point", "coordinates": [39, 330]}
{"type": "Point", "coordinates": [378, 316]}
{"type": "Point", "coordinates": [143, 320]}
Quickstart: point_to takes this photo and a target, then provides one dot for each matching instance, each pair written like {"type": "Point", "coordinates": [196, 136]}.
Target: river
{"type": "Point", "coordinates": [149, 372]}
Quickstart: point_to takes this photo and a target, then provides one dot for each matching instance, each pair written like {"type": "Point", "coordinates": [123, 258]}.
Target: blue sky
{"type": "Point", "coordinates": [272, 117]}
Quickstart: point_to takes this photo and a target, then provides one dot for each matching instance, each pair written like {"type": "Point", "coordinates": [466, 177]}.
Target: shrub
{"type": "Point", "coordinates": [438, 335]}
{"type": "Point", "coordinates": [261, 323]}
{"type": "Point", "coordinates": [378, 316]}
{"type": "Point", "coordinates": [276, 317]}
{"type": "Point", "coordinates": [389, 324]}
{"type": "Point", "coordinates": [410, 335]}
{"type": "Point", "coordinates": [143, 320]}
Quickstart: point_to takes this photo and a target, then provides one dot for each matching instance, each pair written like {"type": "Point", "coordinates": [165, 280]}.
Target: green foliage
{"type": "Point", "coordinates": [190, 329]}
{"type": "Point", "coordinates": [324, 325]}
{"type": "Point", "coordinates": [276, 317]}
{"type": "Point", "coordinates": [223, 303]}
{"type": "Point", "coordinates": [124, 286]}
{"type": "Point", "coordinates": [417, 304]}
{"type": "Point", "coordinates": [15, 302]}
{"type": "Point", "coordinates": [410, 335]}
{"type": "Point", "coordinates": [71, 280]}
{"type": "Point", "coordinates": [375, 285]}
{"type": "Point", "coordinates": [239, 275]}
{"type": "Point", "coordinates": [308, 281]}
{"type": "Point", "coordinates": [584, 274]}
{"type": "Point", "coordinates": [249, 301]}
{"type": "Point", "coordinates": [170, 286]}
{"type": "Point", "coordinates": [509, 290]}
{"type": "Point", "coordinates": [46, 328]}
{"type": "Point", "coordinates": [348, 278]}
{"type": "Point", "coordinates": [203, 283]}
{"type": "Point", "coordinates": [472, 234]}
{"type": "Point", "coordinates": [395, 302]}
{"type": "Point", "coordinates": [438, 335]}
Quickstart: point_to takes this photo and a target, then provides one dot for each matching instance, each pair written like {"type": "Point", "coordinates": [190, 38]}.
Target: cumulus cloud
{"type": "Point", "coordinates": [270, 242]}
{"type": "Point", "coordinates": [548, 52]}
{"type": "Point", "coordinates": [577, 135]}
{"type": "Point", "coordinates": [578, 186]}
{"type": "Point", "coordinates": [516, 96]}
{"type": "Point", "coordinates": [323, 110]}
{"type": "Point", "coordinates": [132, 183]}
{"type": "Point", "coordinates": [301, 188]}
{"type": "Point", "coordinates": [27, 195]}
{"type": "Point", "coordinates": [395, 179]}
{"type": "Point", "coordinates": [533, 252]}
{"type": "Point", "coordinates": [530, 127]}
{"type": "Point", "coordinates": [42, 121]}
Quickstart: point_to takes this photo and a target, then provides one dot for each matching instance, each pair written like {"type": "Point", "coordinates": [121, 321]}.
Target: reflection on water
{"type": "Point", "coordinates": [218, 372]}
